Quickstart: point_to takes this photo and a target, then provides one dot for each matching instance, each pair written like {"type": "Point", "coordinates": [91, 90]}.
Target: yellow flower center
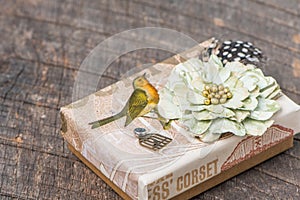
{"type": "Point", "coordinates": [216, 94]}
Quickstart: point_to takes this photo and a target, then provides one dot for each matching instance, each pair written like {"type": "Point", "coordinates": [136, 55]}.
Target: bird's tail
{"type": "Point", "coordinates": [107, 120]}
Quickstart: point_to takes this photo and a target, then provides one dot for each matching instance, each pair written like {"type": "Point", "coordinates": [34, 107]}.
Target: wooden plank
{"type": "Point", "coordinates": [295, 151]}
{"type": "Point", "coordinates": [284, 167]}
{"type": "Point", "coordinates": [66, 60]}
{"type": "Point", "coordinates": [288, 6]}
{"type": "Point", "coordinates": [30, 174]}
{"type": "Point", "coordinates": [264, 10]}
{"type": "Point", "coordinates": [253, 184]}
{"type": "Point", "coordinates": [99, 173]}
{"type": "Point", "coordinates": [30, 126]}
{"type": "Point", "coordinates": [228, 16]}
{"type": "Point", "coordinates": [38, 46]}
{"type": "Point", "coordinates": [207, 24]}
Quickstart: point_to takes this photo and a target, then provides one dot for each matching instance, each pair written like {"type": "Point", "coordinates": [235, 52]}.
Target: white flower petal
{"type": "Point", "coordinates": [194, 64]}
{"type": "Point", "coordinates": [267, 105]}
{"type": "Point", "coordinates": [180, 89]}
{"type": "Point", "coordinates": [238, 68]}
{"type": "Point", "coordinates": [227, 113]}
{"type": "Point", "coordinates": [270, 80]}
{"type": "Point", "coordinates": [242, 93]}
{"type": "Point", "coordinates": [198, 84]}
{"type": "Point", "coordinates": [257, 73]}
{"type": "Point", "coordinates": [210, 71]}
{"type": "Point", "coordinates": [249, 103]}
{"type": "Point", "coordinates": [274, 93]}
{"type": "Point", "coordinates": [261, 115]}
{"type": "Point", "coordinates": [195, 98]}
{"type": "Point", "coordinates": [216, 60]}
{"type": "Point", "coordinates": [257, 128]}
{"type": "Point", "coordinates": [234, 103]}
{"type": "Point", "coordinates": [208, 115]}
{"type": "Point", "coordinates": [249, 82]}
{"type": "Point", "coordinates": [193, 107]}
{"type": "Point", "coordinates": [166, 107]}
{"type": "Point", "coordinates": [181, 103]}
{"type": "Point", "coordinates": [197, 127]}
{"type": "Point", "coordinates": [220, 126]}
{"type": "Point", "coordinates": [218, 109]}
{"type": "Point", "coordinates": [240, 115]}
{"type": "Point", "coordinates": [238, 96]}
{"type": "Point", "coordinates": [209, 137]}
{"type": "Point", "coordinates": [204, 115]}
{"type": "Point", "coordinates": [233, 82]}
{"type": "Point", "coordinates": [269, 90]}
{"type": "Point", "coordinates": [255, 93]}
{"type": "Point", "coordinates": [223, 75]}
{"type": "Point", "coordinates": [173, 80]}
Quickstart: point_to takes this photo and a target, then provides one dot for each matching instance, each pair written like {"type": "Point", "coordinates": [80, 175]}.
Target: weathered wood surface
{"type": "Point", "coordinates": [42, 46]}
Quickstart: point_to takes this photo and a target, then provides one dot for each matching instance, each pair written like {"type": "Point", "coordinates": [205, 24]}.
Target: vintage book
{"type": "Point", "coordinates": [183, 168]}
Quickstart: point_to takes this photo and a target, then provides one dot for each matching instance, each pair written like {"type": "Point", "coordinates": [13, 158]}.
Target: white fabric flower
{"type": "Point", "coordinates": [248, 110]}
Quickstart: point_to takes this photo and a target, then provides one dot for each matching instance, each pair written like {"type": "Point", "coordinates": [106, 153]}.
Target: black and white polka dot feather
{"type": "Point", "coordinates": [239, 51]}
{"type": "Point", "coordinates": [229, 51]}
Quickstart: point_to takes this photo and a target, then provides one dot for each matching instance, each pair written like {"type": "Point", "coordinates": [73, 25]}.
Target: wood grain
{"type": "Point", "coordinates": [43, 44]}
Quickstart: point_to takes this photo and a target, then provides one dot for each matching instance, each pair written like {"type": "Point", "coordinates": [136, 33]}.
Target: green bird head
{"type": "Point", "coordinates": [140, 81]}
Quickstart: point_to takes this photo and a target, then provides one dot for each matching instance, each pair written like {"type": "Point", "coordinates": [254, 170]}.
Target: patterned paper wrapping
{"type": "Point", "coordinates": [184, 163]}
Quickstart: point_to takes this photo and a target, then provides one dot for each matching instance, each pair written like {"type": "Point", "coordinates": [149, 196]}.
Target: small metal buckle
{"type": "Point", "coordinates": [151, 141]}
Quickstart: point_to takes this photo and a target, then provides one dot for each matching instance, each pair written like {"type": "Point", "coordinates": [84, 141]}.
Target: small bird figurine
{"type": "Point", "coordinates": [143, 99]}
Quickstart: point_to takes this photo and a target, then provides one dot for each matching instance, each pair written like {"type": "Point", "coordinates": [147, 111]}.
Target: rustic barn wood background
{"type": "Point", "coordinates": [42, 43]}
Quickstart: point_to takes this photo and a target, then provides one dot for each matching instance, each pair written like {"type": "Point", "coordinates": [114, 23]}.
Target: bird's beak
{"type": "Point", "coordinates": [144, 75]}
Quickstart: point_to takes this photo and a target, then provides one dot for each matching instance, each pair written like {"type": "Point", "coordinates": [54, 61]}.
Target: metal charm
{"type": "Point", "coordinates": [155, 141]}
{"type": "Point", "coordinates": [140, 132]}
{"type": "Point", "coordinates": [152, 141]}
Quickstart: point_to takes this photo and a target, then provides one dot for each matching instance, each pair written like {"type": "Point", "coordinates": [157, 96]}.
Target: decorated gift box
{"type": "Point", "coordinates": [183, 125]}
